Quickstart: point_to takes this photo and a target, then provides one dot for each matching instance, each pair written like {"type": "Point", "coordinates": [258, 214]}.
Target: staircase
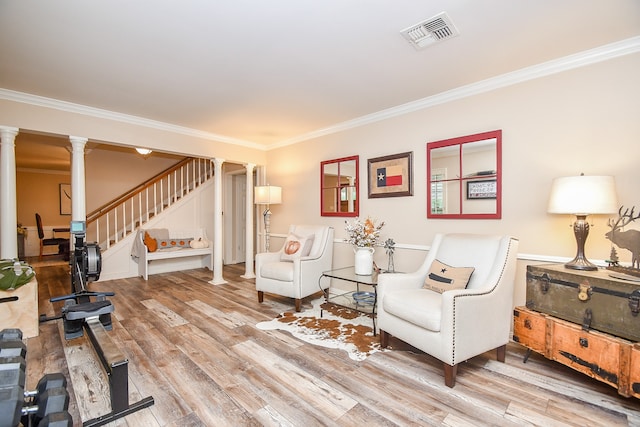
{"type": "Point", "coordinates": [117, 219]}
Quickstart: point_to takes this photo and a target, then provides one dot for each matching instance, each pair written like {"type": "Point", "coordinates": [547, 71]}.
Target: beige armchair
{"type": "Point", "coordinates": [296, 275]}
{"type": "Point", "coordinates": [457, 324]}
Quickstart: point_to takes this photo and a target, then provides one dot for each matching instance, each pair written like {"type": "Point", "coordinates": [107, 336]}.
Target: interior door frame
{"type": "Point", "coordinates": [234, 217]}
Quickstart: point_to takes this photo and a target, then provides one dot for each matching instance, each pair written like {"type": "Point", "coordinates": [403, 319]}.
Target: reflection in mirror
{"type": "Point", "coordinates": [339, 187]}
{"type": "Point", "coordinates": [465, 177]}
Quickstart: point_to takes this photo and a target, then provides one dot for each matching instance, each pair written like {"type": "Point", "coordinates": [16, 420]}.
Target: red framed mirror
{"type": "Point", "coordinates": [339, 187]}
{"type": "Point", "coordinates": [464, 177]}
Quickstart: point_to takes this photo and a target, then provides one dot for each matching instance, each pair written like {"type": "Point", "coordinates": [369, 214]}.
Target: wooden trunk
{"type": "Point", "coordinates": [592, 299]}
{"type": "Point", "coordinates": [593, 353]}
{"type": "Point", "coordinates": [607, 358]}
{"type": "Point", "coordinates": [634, 369]}
{"type": "Point", "coordinates": [529, 329]}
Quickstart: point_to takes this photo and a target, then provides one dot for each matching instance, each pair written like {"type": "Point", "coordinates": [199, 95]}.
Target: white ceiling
{"type": "Point", "coordinates": [272, 71]}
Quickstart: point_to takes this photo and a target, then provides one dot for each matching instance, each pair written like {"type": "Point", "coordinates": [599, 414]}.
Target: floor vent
{"type": "Point", "coordinates": [433, 30]}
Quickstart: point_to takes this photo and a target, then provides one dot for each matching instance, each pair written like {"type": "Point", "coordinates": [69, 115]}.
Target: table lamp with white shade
{"type": "Point", "coordinates": [582, 196]}
{"type": "Point", "coordinates": [267, 195]}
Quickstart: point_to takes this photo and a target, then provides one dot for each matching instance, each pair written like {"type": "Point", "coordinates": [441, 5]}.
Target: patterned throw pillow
{"type": "Point", "coordinates": [296, 246]}
{"type": "Point", "coordinates": [443, 277]}
{"type": "Point", "coordinates": [174, 243]}
{"type": "Point", "coordinates": [150, 242]}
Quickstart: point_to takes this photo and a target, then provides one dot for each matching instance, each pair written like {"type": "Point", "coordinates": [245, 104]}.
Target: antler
{"type": "Point", "coordinates": [625, 218]}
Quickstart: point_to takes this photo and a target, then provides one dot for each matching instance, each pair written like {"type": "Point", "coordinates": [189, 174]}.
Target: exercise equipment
{"type": "Point", "coordinates": [50, 401]}
{"type": "Point", "coordinates": [90, 312]}
{"type": "Point", "coordinates": [11, 401]}
{"type": "Point", "coordinates": [12, 377]}
{"type": "Point", "coordinates": [10, 334]}
{"type": "Point", "coordinates": [46, 406]}
{"type": "Point", "coordinates": [57, 419]}
{"type": "Point", "coordinates": [12, 348]}
{"type": "Point", "coordinates": [78, 305]}
{"type": "Point", "coordinates": [47, 382]}
{"type": "Point", "coordinates": [12, 371]}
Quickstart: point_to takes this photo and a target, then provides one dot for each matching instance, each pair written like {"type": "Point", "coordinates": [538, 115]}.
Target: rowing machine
{"type": "Point", "coordinates": [82, 313]}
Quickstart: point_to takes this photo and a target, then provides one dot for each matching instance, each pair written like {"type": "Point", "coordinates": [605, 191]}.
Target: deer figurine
{"type": "Point", "coordinates": [629, 239]}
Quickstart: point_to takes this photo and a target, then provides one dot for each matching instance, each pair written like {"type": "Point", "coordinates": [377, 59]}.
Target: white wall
{"type": "Point", "coordinates": [111, 173]}
{"type": "Point", "coordinates": [583, 120]}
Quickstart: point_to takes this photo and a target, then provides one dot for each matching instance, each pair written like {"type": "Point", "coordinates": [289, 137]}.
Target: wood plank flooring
{"type": "Point", "coordinates": [194, 347]}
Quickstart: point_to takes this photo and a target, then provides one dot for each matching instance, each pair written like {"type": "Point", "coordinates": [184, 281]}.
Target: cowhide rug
{"type": "Point", "coordinates": [338, 327]}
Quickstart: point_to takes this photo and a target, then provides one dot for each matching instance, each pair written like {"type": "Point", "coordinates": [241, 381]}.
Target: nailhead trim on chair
{"type": "Point", "coordinates": [453, 350]}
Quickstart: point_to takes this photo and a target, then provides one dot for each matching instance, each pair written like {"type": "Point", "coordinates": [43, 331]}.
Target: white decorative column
{"type": "Point", "coordinates": [78, 199]}
{"type": "Point", "coordinates": [248, 258]}
{"type": "Point", "coordinates": [217, 224]}
{"type": "Point", "coordinates": [9, 204]}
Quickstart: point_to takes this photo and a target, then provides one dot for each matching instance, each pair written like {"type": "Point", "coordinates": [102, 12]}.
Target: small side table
{"type": "Point", "coordinates": [345, 299]}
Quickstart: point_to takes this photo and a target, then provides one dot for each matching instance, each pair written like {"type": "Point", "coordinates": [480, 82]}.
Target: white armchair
{"type": "Point", "coordinates": [296, 277]}
{"type": "Point", "coordinates": [457, 324]}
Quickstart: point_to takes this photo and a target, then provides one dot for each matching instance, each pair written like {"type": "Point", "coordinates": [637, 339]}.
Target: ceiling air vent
{"type": "Point", "coordinates": [431, 31]}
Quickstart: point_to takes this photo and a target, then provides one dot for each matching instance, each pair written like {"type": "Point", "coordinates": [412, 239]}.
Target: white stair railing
{"type": "Point", "coordinates": [117, 219]}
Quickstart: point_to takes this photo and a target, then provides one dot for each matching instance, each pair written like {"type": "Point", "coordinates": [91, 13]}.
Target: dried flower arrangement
{"type": "Point", "coordinates": [365, 233]}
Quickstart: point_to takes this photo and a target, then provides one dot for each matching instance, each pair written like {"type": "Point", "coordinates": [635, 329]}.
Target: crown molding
{"type": "Point", "coordinates": [581, 59]}
{"type": "Point", "coordinates": [70, 107]}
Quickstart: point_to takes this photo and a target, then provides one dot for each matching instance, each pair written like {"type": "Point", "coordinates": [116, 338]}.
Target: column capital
{"type": "Point", "coordinates": [78, 140]}
{"type": "Point", "coordinates": [8, 132]}
{"type": "Point", "coordinates": [249, 166]}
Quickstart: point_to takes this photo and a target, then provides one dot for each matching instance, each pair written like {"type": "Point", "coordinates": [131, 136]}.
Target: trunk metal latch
{"type": "Point", "coordinates": [544, 283]}
{"type": "Point", "coordinates": [634, 302]}
{"type": "Point", "coordinates": [586, 320]}
{"type": "Point", "coordinates": [584, 291]}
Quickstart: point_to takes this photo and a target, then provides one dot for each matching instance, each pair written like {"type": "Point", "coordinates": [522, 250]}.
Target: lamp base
{"type": "Point", "coordinates": [581, 264]}
{"type": "Point", "coordinates": [267, 222]}
{"type": "Point", "coordinates": [581, 231]}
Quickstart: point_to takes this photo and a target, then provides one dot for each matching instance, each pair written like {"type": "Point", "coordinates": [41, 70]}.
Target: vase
{"type": "Point", "coordinates": [363, 260]}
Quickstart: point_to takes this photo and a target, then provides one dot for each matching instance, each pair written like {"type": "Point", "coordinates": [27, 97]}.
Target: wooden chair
{"type": "Point", "coordinates": [61, 243]}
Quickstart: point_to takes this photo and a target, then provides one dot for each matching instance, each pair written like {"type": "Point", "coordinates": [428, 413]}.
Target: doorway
{"type": "Point", "coordinates": [235, 218]}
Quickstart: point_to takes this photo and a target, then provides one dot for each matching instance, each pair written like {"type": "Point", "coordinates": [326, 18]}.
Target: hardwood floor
{"type": "Point", "coordinates": [194, 347]}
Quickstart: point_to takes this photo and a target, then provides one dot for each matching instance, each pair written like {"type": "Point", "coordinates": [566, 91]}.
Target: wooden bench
{"type": "Point", "coordinates": [169, 259]}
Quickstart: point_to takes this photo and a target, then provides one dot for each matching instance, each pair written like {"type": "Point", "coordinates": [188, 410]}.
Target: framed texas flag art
{"type": "Point", "coordinates": [391, 176]}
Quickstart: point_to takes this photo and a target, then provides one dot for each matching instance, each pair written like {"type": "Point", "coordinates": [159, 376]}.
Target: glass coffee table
{"type": "Point", "coordinates": [363, 301]}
